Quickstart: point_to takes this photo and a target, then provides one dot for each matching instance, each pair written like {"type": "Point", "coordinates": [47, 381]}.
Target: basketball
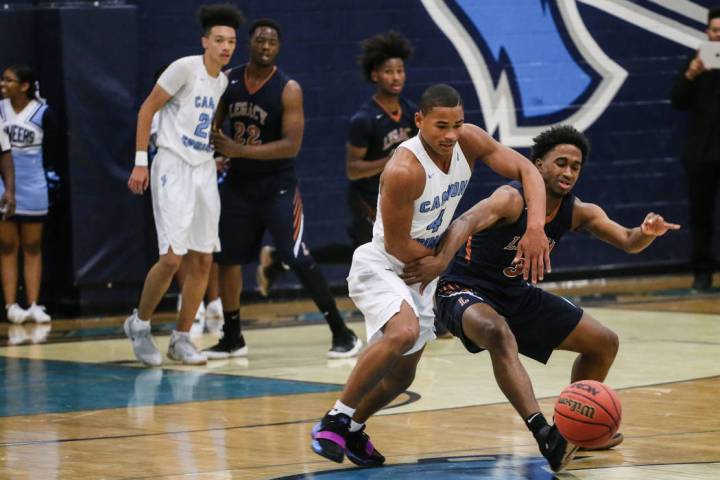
{"type": "Point", "coordinates": [588, 413]}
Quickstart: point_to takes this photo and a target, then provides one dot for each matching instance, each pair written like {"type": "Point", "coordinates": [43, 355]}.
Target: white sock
{"type": "Point", "coordinates": [355, 426]}
{"type": "Point", "coordinates": [342, 408]}
{"type": "Point", "coordinates": [178, 335]}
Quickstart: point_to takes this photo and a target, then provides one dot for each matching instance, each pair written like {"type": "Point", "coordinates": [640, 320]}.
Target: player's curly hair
{"type": "Point", "coordinates": [379, 48]}
{"type": "Point", "coordinates": [225, 15]}
{"type": "Point", "coordinates": [558, 135]}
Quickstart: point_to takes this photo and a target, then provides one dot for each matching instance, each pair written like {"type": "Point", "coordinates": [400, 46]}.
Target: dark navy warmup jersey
{"type": "Point", "coordinates": [372, 127]}
{"type": "Point", "coordinates": [255, 118]}
{"type": "Point", "coordinates": [486, 260]}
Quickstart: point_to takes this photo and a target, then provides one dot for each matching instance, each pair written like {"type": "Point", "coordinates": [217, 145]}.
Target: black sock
{"type": "Point", "coordinates": [536, 423]}
{"type": "Point", "coordinates": [231, 326]}
{"type": "Point", "coordinates": [314, 282]}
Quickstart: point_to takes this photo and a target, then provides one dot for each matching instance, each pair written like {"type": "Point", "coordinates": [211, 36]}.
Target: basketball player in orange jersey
{"type": "Point", "coordinates": [420, 189]}
{"type": "Point", "coordinates": [483, 300]}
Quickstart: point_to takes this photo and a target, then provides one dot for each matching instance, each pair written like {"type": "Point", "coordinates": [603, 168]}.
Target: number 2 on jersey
{"type": "Point", "coordinates": [249, 135]}
{"type": "Point", "coordinates": [437, 223]}
{"type": "Point", "coordinates": [203, 124]}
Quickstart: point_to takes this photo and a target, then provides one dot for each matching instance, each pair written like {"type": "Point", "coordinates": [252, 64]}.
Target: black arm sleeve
{"type": "Point", "coordinates": [683, 92]}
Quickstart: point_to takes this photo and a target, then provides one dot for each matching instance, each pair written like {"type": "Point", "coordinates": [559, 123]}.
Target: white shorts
{"type": "Point", "coordinates": [186, 204]}
{"type": "Point", "coordinates": [378, 291]}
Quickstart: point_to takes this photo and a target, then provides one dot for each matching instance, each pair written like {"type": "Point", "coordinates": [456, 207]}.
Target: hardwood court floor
{"type": "Point", "coordinates": [81, 407]}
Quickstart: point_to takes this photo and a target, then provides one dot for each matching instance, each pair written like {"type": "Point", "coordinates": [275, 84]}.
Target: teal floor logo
{"type": "Point", "coordinates": [484, 467]}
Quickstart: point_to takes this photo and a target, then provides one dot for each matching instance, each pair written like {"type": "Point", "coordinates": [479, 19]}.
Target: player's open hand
{"type": "Point", "coordinates": [656, 225]}
{"type": "Point", "coordinates": [7, 205]}
{"type": "Point", "coordinates": [223, 144]}
{"type": "Point", "coordinates": [423, 271]}
{"type": "Point", "coordinates": [534, 251]}
{"type": "Point", "coordinates": [138, 182]}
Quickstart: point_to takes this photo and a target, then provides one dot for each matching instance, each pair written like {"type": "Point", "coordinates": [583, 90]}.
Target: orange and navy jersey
{"type": "Point", "coordinates": [379, 131]}
{"type": "Point", "coordinates": [255, 116]}
{"type": "Point", "coordinates": [487, 256]}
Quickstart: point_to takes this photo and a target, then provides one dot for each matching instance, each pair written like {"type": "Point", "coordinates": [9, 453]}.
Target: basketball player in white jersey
{"type": "Point", "coordinates": [186, 203]}
{"type": "Point", "coordinates": [419, 191]}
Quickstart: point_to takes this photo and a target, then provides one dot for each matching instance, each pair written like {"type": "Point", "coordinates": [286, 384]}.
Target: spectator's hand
{"type": "Point", "coordinates": [695, 68]}
{"type": "Point", "coordinates": [423, 271]}
{"type": "Point", "coordinates": [224, 144]}
{"type": "Point", "coordinates": [138, 182]}
{"type": "Point", "coordinates": [7, 205]}
{"type": "Point", "coordinates": [656, 226]}
{"type": "Point", "coordinates": [534, 251]}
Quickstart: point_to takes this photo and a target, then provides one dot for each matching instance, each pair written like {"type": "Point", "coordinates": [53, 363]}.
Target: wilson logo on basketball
{"type": "Point", "coordinates": [585, 410]}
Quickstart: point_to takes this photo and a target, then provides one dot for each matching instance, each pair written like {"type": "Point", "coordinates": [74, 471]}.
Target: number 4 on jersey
{"type": "Point", "coordinates": [437, 223]}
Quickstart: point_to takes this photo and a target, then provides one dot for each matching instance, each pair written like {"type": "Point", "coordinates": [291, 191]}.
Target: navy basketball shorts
{"type": "Point", "coordinates": [539, 320]}
{"type": "Point", "coordinates": [252, 206]}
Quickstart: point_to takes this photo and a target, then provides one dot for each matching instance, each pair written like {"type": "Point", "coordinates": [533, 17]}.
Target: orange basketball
{"type": "Point", "coordinates": [588, 413]}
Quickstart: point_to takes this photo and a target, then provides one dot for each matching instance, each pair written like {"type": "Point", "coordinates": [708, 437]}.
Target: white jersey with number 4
{"type": "Point", "coordinates": [186, 119]}
{"type": "Point", "coordinates": [434, 209]}
{"type": "Point", "coordinates": [374, 281]}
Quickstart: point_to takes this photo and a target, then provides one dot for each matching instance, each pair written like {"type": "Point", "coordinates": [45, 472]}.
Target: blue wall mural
{"type": "Point", "coordinates": [521, 65]}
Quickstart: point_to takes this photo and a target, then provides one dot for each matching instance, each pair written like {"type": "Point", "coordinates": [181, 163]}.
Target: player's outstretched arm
{"type": "Point", "coordinates": [293, 126]}
{"type": "Point", "coordinates": [139, 178]}
{"type": "Point", "coordinates": [534, 247]}
{"type": "Point", "coordinates": [401, 184]}
{"type": "Point", "coordinates": [590, 217]}
{"type": "Point", "coordinates": [505, 204]}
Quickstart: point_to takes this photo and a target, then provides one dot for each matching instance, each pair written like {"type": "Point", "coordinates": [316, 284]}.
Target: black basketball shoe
{"type": "Point", "coordinates": [558, 451]}
{"type": "Point", "coordinates": [227, 348]}
{"type": "Point", "coordinates": [347, 347]}
{"type": "Point", "coordinates": [358, 448]}
{"type": "Point", "coordinates": [330, 439]}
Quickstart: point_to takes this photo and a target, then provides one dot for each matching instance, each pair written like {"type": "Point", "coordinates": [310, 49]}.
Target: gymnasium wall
{"type": "Point", "coordinates": [521, 66]}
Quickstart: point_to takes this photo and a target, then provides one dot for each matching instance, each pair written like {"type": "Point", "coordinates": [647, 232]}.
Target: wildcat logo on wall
{"type": "Point", "coordinates": [533, 63]}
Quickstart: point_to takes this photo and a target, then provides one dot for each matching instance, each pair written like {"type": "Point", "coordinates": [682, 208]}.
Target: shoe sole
{"type": "Point", "coordinates": [349, 354]}
{"type": "Point", "coordinates": [201, 362]}
{"type": "Point", "coordinates": [317, 447]}
{"type": "Point", "coordinates": [241, 352]}
{"type": "Point", "coordinates": [570, 452]}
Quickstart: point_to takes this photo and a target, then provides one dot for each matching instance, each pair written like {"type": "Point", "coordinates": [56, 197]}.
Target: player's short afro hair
{"type": "Point", "coordinates": [559, 135]}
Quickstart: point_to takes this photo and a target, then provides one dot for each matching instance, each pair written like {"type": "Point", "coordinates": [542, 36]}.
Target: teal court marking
{"type": "Point", "coordinates": [477, 467]}
{"type": "Point", "coordinates": [49, 386]}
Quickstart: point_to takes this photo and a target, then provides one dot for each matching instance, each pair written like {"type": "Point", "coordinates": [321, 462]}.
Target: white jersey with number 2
{"type": "Point", "coordinates": [186, 119]}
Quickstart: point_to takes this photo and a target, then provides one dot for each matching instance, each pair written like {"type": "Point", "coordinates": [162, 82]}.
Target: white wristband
{"type": "Point", "coordinates": [141, 159]}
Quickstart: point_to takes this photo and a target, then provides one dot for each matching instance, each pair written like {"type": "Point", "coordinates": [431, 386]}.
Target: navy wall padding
{"type": "Point", "coordinates": [108, 222]}
{"type": "Point", "coordinates": [110, 53]}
